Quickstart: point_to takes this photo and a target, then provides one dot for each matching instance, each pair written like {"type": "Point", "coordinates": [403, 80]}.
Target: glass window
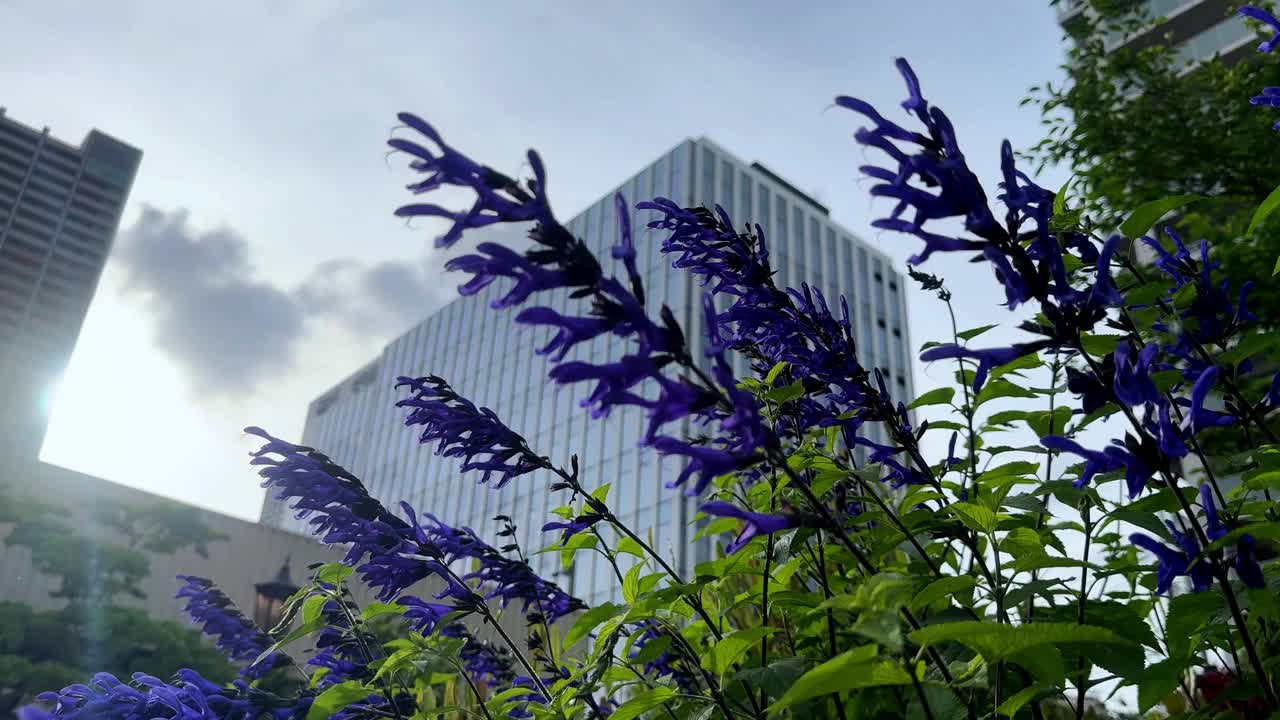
{"type": "Point", "coordinates": [797, 224]}
{"type": "Point", "coordinates": [677, 189]}
{"type": "Point", "coordinates": [726, 188]}
{"type": "Point", "coordinates": [781, 232]}
{"type": "Point", "coordinates": [708, 176]}
{"type": "Point", "coordinates": [744, 205]}
{"type": "Point", "coordinates": [865, 349]}
{"type": "Point", "coordinates": [815, 245]}
{"type": "Point", "coordinates": [660, 186]}
{"type": "Point", "coordinates": [762, 210]}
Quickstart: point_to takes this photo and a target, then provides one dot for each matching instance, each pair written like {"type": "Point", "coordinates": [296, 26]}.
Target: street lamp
{"type": "Point", "coordinates": [269, 608]}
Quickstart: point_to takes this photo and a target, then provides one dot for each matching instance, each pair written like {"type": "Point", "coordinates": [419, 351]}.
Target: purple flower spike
{"type": "Point", "coordinates": [1172, 563]}
{"type": "Point", "coordinates": [1264, 17]}
{"type": "Point", "coordinates": [753, 523]}
{"type": "Point", "coordinates": [233, 633]}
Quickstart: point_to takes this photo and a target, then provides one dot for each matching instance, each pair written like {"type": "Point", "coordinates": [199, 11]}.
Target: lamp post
{"type": "Point", "coordinates": [269, 606]}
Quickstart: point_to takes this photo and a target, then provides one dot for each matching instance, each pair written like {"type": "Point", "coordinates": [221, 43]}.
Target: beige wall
{"type": "Point", "coordinates": [251, 553]}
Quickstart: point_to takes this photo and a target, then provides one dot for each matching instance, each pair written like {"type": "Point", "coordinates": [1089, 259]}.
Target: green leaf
{"type": "Point", "coordinates": [602, 493]}
{"type": "Point", "coordinates": [848, 670]}
{"type": "Point", "coordinates": [937, 396]}
{"type": "Point", "coordinates": [1147, 214]}
{"type": "Point", "coordinates": [642, 702]}
{"type": "Point", "coordinates": [1060, 199]}
{"type": "Point", "coordinates": [335, 698]}
{"type": "Point", "coordinates": [631, 583]}
{"type": "Point", "coordinates": [733, 646]}
{"type": "Point", "coordinates": [1276, 270]}
{"type": "Point", "coordinates": [651, 651]}
{"type": "Point", "coordinates": [998, 642]}
{"type": "Point", "coordinates": [588, 621]}
{"type": "Point", "coordinates": [775, 679]}
{"type": "Point", "coordinates": [312, 609]}
{"type": "Point", "coordinates": [1023, 543]}
{"type": "Point", "coordinates": [1158, 681]}
{"type": "Point", "coordinates": [999, 389]}
{"type": "Point", "coordinates": [786, 393]}
{"type": "Point", "coordinates": [977, 517]}
{"type": "Point", "coordinates": [378, 609]}
{"type": "Point", "coordinates": [774, 372]}
{"type": "Point", "coordinates": [1044, 662]}
{"type": "Point", "coordinates": [941, 588]}
{"type": "Point", "coordinates": [1187, 615]}
{"type": "Point", "coordinates": [1099, 345]}
{"type": "Point", "coordinates": [630, 546]}
{"type": "Point", "coordinates": [333, 573]}
{"type": "Point", "coordinates": [1043, 423]}
{"type": "Point", "coordinates": [1267, 207]}
{"type": "Point", "coordinates": [974, 332]}
{"type": "Point", "coordinates": [1018, 700]}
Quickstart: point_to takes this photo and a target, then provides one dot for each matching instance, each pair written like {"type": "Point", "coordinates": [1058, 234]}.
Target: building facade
{"type": "Point", "coordinates": [60, 205]}
{"type": "Point", "coordinates": [491, 360]}
{"type": "Point", "coordinates": [1198, 29]}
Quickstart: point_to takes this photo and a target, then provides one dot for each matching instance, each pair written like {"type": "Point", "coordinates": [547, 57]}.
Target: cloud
{"type": "Point", "coordinates": [231, 331]}
{"type": "Point", "coordinates": [227, 330]}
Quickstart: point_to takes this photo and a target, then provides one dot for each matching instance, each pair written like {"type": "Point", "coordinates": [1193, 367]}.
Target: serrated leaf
{"type": "Point", "coordinates": [786, 393]}
{"type": "Point", "coordinates": [777, 677]}
{"type": "Point", "coordinates": [996, 642]}
{"type": "Point", "coordinates": [335, 698]}
{"type": "Point", "coordinates": [976, 517]}
{"type": "Point", "coordinates": [943, 587]}
{"type": "Point", "coordinates": [1147, 214]}
{"type": "Point", "coordinates": [378, 609]}
{"type": "Point", "coordinates": [333, 573]}
{"type": "Point", "coordinates": [733, 646]}
{"type": "Point", "coordinates": [1186, 616]}
{"type": "Point", "coordinates": [852, 669]}
{"type": "Point", "coordinates": [1265, 209]}
{"type": "Point", "coordinates": [1157, 681]}
{"type": "Point", "coordinates": [643, 701]}
{"type": "Point", "coordinates": [589, 620]}
{"type": "Point", "coordinates": [652, 650]}
{"type": "Point", "coordinates": [631, 583]}
{"type": "Point", "coordinates": [995, 389]}
{"type": "Point", "coordinates": [974, 332]}
{"type": "Point", "coordinates": [936, 396]}
{"type": "Point", "coordinates": [1022, 543]}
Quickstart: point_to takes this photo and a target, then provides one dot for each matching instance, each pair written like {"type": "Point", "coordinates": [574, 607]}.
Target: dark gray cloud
{"type": "Point", "coordinates": [231, 331]}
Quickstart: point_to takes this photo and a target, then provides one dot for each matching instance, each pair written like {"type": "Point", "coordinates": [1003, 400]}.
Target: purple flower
{"type": "Point", "coordinates": [664, 665]}
{"type": "Point", "coordinates": [500, 261]}
{"type": "Point", "coordinates": [482, 660]}
{"type": "Point", "coordinates": [233, 633]}
{"type": "Point", "coordinates": [581, 523]}
{"type": "Point", "coordinates": [1264, 17]}
{"type": "Point", "coordinates": [1133, 383]}
{"type": "Point", "coordinates": [498, 198]}
{"type": "Point", "coordinates": [753, 523]}
{"type": "Point", "coordinates": [1095, 461]}
{"type": "Point", "coordinates": [702, 461]}
{"type": "Point", "coordinates": [1093, 392]}
{"type": "Point", "coordinates": [1245, 561]}
{"type": "Point", "coordinates": [190, 697]}
{"type": "Point", "coordinates": [988, 359]}
{"type": "Point", "coordinates": [1197, 416]}
{"type": "Point", "coordinates": [1172, 563]}
{"type": "Point", "coordinates": [475, 435]}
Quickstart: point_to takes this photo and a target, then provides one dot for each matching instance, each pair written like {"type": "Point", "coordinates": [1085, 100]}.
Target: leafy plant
{"type": "Point", "coordinates": [1031, 572]}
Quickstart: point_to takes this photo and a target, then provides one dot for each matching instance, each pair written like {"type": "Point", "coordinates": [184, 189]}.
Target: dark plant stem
{"type": "Point", "coordinates": [1048, 473]}
{"type": "Point", "coordinates": [924, 700]}
{"type": "Point", "coordinates": [1081, 678]}
{"type": "Point", "coordinates": [833, 647]}
{"type": "Point", "coordinates": [1267, 690]}
{"type": "Point", "coordinates": [968, 404]}
{"type": "Point", "coordinates": [368, 652]}
{"type": "Point", "coordinates": [476, 691]}
{"type": "Point", "coordinates": [764, 592]}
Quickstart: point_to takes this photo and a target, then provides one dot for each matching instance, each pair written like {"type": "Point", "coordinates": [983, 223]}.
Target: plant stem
{"type": "Point", "coordinates": [1082, 680]}
{"type": "Point", "coordinates": [476, 691]}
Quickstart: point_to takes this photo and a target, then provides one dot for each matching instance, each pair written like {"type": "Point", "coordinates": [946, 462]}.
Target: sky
{"type": "Point", "coordinates": [258, 260]}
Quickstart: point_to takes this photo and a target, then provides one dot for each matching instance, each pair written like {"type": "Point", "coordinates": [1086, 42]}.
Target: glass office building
{"type": "Point", "coordinates": [491, 360]}
{"type": "Point", "coordinates": [1197, 29]}
{"type": "Point", "coordinates": [60, 205]}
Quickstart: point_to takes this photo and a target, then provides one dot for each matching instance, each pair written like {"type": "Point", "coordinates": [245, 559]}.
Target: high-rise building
{"type": "Point", "coordinates": [491, 360]}
{"type": "Point", "coordinates": [60, 205]}
{"type": "Point", "coordinates": [1198, 29]}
